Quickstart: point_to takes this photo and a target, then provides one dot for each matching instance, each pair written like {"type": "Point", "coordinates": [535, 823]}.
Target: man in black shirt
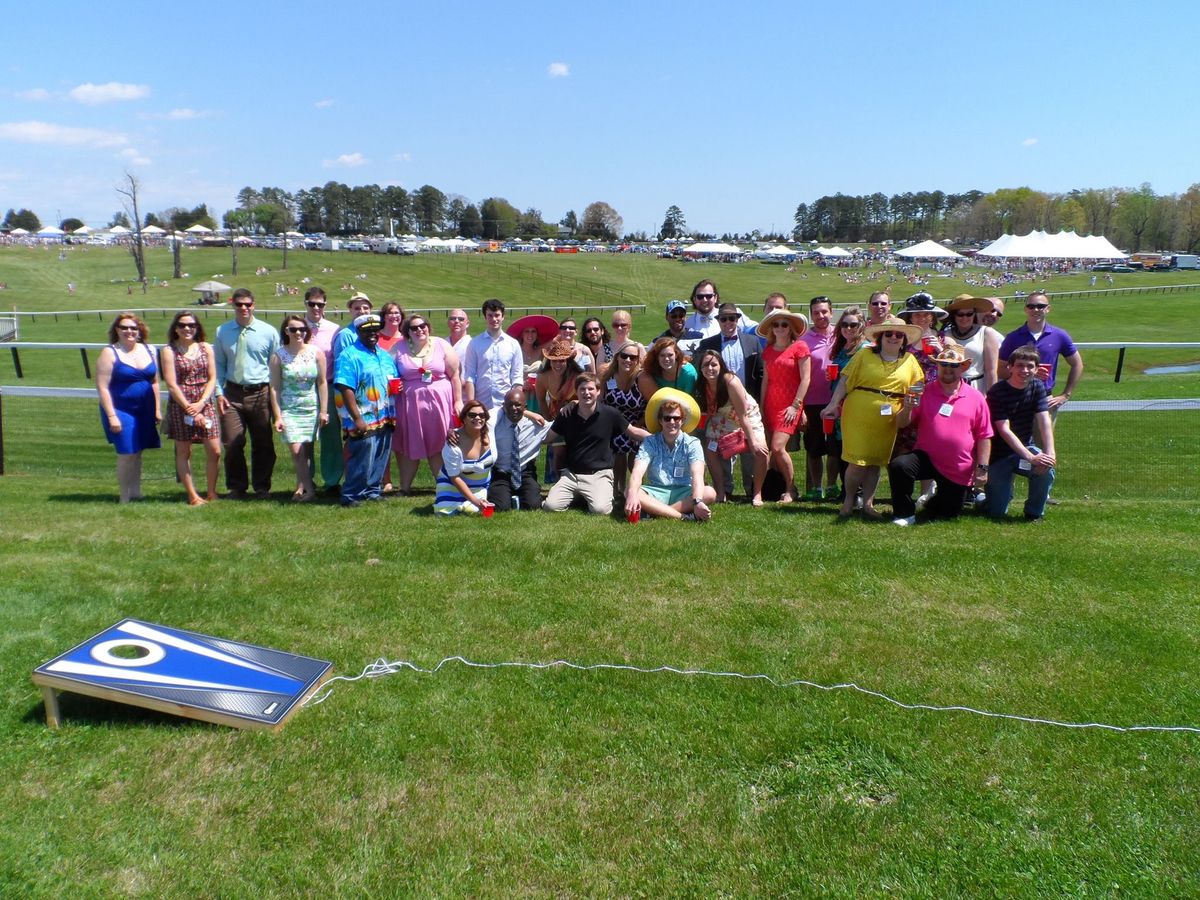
{"type": "Point", "coordinates": [588, 428]}
{"type": "Point", "coordinates": [1016, 406]}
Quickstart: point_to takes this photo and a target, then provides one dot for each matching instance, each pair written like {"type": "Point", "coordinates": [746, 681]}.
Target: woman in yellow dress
{"type": "Point", "coordinates": [873, 387]}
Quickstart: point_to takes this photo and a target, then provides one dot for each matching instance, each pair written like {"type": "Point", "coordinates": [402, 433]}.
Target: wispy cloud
{"type": "Point", "coordinates": [62, 135]}
{"type": "Point", "coordinates": [558, 70]}
{"type": "Point", "coordinates": [133, 157]}
{"type": "Point", "coordinates": [403, 157]}
{"type": "Point", "coordinates": [349, 160]}
{"type": "Point", "coordinates": [1028, 142]}
{"type": "Point", "coordinates": [183, 114]}
{"type": "Point", "coordinates": [33, 94]}
{"type": "Point", "coordinates": [324, 104]}
{"type": "Point", "coordinates": [110, 92]}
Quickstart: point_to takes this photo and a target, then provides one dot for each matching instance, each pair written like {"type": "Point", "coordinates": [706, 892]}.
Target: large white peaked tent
{"type": "Point", "coordinates": [928, 250]}
{"type": "Point", "coordinates": [1063, 245]}
{"type": "Point", "coordinates": [709, 249]}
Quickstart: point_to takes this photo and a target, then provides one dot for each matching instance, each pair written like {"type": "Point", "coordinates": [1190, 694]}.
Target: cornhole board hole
{"type": "Point", "coordinates": [183, 673]}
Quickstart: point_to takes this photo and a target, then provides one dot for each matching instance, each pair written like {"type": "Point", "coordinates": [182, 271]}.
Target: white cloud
{"type": "Point", "coordinates": [95, 94]}
{"type": "Point", "coordinates": [349, 160]}
{"type": "Point", "coordinates": [62, 135]}
{"type": "Point", "coordinates": [323, 104]}
{"type": "Point", "coordinates": [1028, 142]}
{"type": "Point", "coordinates": [133, 157]}
{"type": "Point", "coordinates": [184, 114]}
{"type": "Point", "coordinates": [403, 157]}
{"type": "Point", "coordinates": [34, 94]}
{"type": "Point", "coordinates": [558, 70]}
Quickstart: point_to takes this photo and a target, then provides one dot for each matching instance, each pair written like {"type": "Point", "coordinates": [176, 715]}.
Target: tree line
{"type": "Point", "coordinates": [1132, 218]}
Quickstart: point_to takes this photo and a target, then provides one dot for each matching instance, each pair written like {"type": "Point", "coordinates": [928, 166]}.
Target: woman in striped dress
{"type": "Point", "coordinates": [462, 482]}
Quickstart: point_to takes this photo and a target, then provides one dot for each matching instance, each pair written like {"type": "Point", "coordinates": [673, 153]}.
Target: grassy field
{"type": "Point", "coordinates": [502, 782]}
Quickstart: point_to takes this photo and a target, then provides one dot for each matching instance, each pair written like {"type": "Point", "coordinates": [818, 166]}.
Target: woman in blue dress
{"type": "Point", "coordinates": [127, 382]}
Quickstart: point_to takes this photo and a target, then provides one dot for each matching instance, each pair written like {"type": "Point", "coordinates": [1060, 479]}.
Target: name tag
{"type": "Point", "coordinates": [886, 409]}
{"type": "Point", "coordinates": [1024, 465]}
{"type": "Point", "coordinates": [712, 446]}
{"type": "Point", "coordinates": [680, 471]}
{"type": "Point", "coordinates": [945, 409]}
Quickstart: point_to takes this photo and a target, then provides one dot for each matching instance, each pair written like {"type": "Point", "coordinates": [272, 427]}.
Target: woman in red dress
{"type": "Point", "coordinates": [785, 382]}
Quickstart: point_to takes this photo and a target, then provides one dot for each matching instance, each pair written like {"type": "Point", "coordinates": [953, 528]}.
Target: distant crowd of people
{"type": "Point", "coordinates": [951, 407]}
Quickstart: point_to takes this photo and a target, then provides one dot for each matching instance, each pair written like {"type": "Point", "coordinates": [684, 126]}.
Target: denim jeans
{"type": "Point", "coordinates": [1000, 487]}
{"type": "Point", "coordinates": [368, 456]}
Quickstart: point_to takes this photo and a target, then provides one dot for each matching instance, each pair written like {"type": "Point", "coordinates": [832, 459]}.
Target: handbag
{"type": "Point", "coordinates": [731, 444]}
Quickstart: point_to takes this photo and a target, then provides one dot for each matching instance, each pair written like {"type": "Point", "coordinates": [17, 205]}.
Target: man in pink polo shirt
{"type": "Point", "coordinates": [818, 446]}
{"type": "Point", "coordinates": [954, 440]}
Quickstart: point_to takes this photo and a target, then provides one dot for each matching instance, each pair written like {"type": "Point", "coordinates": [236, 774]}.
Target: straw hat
{"type": "Point", "coordinates": [966, 301]}
{"type": "Point", "coordinates": [798, 321]}
{"type": "Point", "coordinates": [691, 409]}
{"type": "Point", "coordinates": [559, 348]}
{"type": "Point", "coordinates": [546, 327]}
{"type": "Point", "coordinates": [953, 353]}
{"type": "Point", "coordinates": [892, 323]}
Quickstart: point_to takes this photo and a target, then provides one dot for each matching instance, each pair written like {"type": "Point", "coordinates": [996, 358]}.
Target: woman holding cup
{"type": "Point", "coordinates": [787, 369]}
{"type": "Point", "coordinates": [190, 372]}
{"type": "Point", "coordinates": [430, 394]}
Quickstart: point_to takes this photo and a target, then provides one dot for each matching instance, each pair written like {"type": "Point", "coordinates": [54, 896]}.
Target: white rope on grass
{"type": "Point", "coordinates": [382, 667]}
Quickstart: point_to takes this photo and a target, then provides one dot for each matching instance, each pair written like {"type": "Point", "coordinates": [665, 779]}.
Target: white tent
{"type": "Point", "coordinates": [118, 229]}
{"type": "Point", "coordinates": [778, 250]}
{"type": "Point", "coordinates": [211, 286]}
{"type": "Point", "coordinates": [293, 234]}
{"type": "Point", "coordinates": [1063, 245]}
{"type": "Point", "coordinates": [51, 231]}
{"type": "Point", "coordinates": [928, 250]}
{"type": "Point", "coordinates": [711, 249]}
{"type": "Point", "coordinates": [198, 229]}
{"type": "Point", "coordinates": [153, 229]}
{"type": "Point", "coordinates": [836, 252]}
{"type": "Point", "coordinates": [82, 229]}
{"type": "Point", "coordinates": [19, 232]}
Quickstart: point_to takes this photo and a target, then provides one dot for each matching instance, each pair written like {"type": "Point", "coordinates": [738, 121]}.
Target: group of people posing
{"type": "Point", "coordinates": [936, 395]}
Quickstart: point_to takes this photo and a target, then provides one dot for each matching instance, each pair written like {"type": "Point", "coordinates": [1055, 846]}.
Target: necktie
{"type": "Point", "coordinates": [515, 464]}
{"type": "Point", "coordinates": [240, 358]}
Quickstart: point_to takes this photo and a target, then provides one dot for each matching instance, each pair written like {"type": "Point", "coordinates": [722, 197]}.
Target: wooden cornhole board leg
{"type": "Point", "coordinates": [50, 699]}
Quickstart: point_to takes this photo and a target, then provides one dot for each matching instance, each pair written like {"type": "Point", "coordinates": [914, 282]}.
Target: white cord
{"type": "Point", "coordinates": [382, 667]}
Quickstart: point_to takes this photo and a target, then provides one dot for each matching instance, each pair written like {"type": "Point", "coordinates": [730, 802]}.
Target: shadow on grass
{"type": "Point", "coordinates": [77, 709]}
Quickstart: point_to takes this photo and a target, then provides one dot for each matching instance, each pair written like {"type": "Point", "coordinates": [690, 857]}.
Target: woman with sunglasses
{"type": "Point", "coordinates": [873, 387]}
{"type": "Point", "coordinates": [787, 370]}
{"type": "Point", "coordinates": [127, 382]}
{"type": "Point", "coordinates": [299, 398]}
{"type": "Point", "coordinates": [429, 398]}
{"type": "Point", "coordinates": [621, 391]}
{"type": "Point", "coordinates": [848, 340]}
{"type": "Point", "coordinates": [466, 469]}
{"type": "Point", "coordinates": [190, 372]}
{"type": "Point", "coordinates": [728, 407]}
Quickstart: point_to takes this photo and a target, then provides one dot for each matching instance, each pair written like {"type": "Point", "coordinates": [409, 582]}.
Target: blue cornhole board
{"type": "Point", "coordinates": [184, 673]}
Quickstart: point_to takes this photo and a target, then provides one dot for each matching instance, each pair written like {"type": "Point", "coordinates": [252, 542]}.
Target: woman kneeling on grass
{"type": "Point", "coordinates": [466, 473]}
{"type": "Point", "coordinates": [671, 464]}
{"type": "Point", "coordinates": [190, 371]}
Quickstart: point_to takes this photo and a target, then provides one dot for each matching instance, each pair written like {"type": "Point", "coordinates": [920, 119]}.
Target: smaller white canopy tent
{"type": "Point", "coordinates": [153, 229]}
{"type": "Point", "coordinates": [928, 250]}
{"type": "Point", "coordinates": [293, 234]}
{"type": "Point", "coordinates": [51, 231]}
{"type": "Point", "coordinates": [198, 229]}
{"type": "Point", "coordinates": [707, 248]}
{"type": "Point", "coordinates": [82, 229]}
{"type": "Point", "coordinates": [19, 232]}
{"type": "Point", "coordinates": [835, 252]}
{"type": "Point", "coordinates": [778, 250]}
{"type": "Point", "coordinates": [118, 229]}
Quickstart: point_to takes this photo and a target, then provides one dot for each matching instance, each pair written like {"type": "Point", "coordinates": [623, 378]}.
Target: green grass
{"type": "Point", "coordinates": [502, 782]}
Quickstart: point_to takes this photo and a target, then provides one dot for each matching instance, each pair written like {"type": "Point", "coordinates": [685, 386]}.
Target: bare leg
{"type": "Point", "coordinates": [435, 465]}
{"type": "Point", "coordinates": [832, 471]}
{"type": "Point", "coordinates": [760, 475]}
{"type": "Point", "coordinates": [870, 482]}
{"type": "Point", "coordinates": [855, 476]}
{"type": "Point", "coordinates": [812, 472]}
{"type": "Point", "coordinates": [408, 471]}
{"type": "Point", "coordinates": [298, 460]}
{"type": "Point", "coordinates": [126, 476]}
{"type": "Point", "coordinates": [783, 462]}
{"type": "Point", "coordinates": [212, 448]}
{"type": "Point", "coordinates": [183, 468]}
{"type": "Point", "coordinates": [676, 510]}
{"type": "Point", "coordinates": [717, 470]}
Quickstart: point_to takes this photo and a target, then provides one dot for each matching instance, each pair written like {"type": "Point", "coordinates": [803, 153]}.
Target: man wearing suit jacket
{"type": "Point", "coordinates": [743, 357]}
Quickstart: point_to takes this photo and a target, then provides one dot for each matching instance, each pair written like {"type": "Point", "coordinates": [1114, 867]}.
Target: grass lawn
{"type": "Point", "coordinates": [511, 781]}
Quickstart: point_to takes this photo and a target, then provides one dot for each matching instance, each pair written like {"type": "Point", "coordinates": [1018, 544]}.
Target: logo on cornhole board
{"type": "Point", "coordinates": [184, 673]}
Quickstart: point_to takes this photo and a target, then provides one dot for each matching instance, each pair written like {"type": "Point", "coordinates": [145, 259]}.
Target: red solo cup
{"type": "Point", "coordinates": [1043, 371]}
{"type": "Point", "coordinates": [930, 346]}
{"type": "Point", "coordinates": [827, 426]}
{"type": "Point", "coordinates": [488, 510]}
{"type": "Point", "coordinates": [634, 517]}
{"type": "Point", "coordinates": [394, 386]}
{"type": "Point", "coordinates": [530, 383]}
{"type": "Point", "coordinates": [831, 372]}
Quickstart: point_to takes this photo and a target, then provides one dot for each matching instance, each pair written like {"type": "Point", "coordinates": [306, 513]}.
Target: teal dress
{"type": "Point", "coordinates": [298, 393]}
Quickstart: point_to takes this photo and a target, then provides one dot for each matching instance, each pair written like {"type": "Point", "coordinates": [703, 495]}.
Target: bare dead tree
{"type": "Point", "coordinates": [128, 190]}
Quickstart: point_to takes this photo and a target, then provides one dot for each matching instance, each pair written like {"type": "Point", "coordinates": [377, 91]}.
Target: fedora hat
{"type": "Point", "coordinates": [559, 348]}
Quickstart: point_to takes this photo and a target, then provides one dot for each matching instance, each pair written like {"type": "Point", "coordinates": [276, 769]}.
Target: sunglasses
{"type": "Point", "coordinates": [880, 303]}
{"type": "Point", "coordinates": [622, 324]}
{"type": "Point", "coordinates": [1037, 305]}
{"type": "Point", "coordinates": [567, 328]}
{"type": "Point", "coordinates": [704, 296]}
{"type": "Point", "coordinates": [244, 305]}
{"type": "Point", "coordinates": [632, 357]}
{"type": "Point", "coordinates": [456, 318]}
{"type": "Point", "coordinates": [476, 415]}
{"type": "Point", "coordinates": [671, 418]}
{"type": "Point", "coordinates": [128, 328]}
{"type": "Point", "coordinates": [895, 335]}
{"type": "Point", "coordinates": [297, 330]}
{"type": "Point", "coordinates": [787, 325]}
{"type": "Point", "coordinates": [594, 329]}
{"type": "Point", "coordinates": [185, 325]}
{"type": "Point", "coordinates": [729, 319]}
{"type": "Point", "coordinates": [949, 365]}
{"type": "Point", "coordinates": [963, 313]}
{"type": "Point", "coordinates": [419, 326]}
{"type": "Point", "coordinates": [852, 324]}
{"type": "Point", "coordinates": [314, 304]}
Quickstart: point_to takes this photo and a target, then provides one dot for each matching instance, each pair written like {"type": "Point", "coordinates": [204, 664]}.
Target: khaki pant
{"type": "Point", "coordinates": [596, 489]}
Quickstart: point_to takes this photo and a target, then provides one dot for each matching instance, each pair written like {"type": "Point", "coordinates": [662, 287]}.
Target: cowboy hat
{"type": "Point", "coordinates": [691, 409]}
{"type": "Point", "coordinates": [953, 353]}
{"type": "Point", "coordinates": [892, 323]}
{"type": "Point", "coordinates": [798, 321]}
{"type": "Point", "coordinates": [559, 348]}
{"type": "Point", "coordinates": [547, 328]}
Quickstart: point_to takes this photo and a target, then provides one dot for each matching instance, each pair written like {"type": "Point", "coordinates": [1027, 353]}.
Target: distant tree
{"type": "Point", "coordinates": [119, 218]}
{"type": "Point", "coordinates": [129, 188]}
{"type": "Point", "coordinates": [454, 211]}
{"type": "Point", "coordinates": [153, 219]}
{"type": "Point", "coordinates": [1187, 220]}
{"type": "Point", "coordinates": [530, 224]}
{"type": "Point", "coordinates": [601, 221]}
{"type": "Point", "coordinates": [674, 225]}
{"type": "Point", "coordinates": [70, 224]}
{"type": "Point", "coordinates": [22, 218]}
{"type": "Point", "coordinates": [271, 218]}
{"type": "Point", "coordinates": [429, 209]}
{"type": "Point", "coordinates": [248, 198]}
{"type": "Point", "coordinates": [499, 219]}
{"type": "Point", "coordinates": [569, 221]}
{"type": "Point", "coordinates": [1134, 215]}
{"type": "Point", "coordinates": [471, 223]}
{"type": "Point", "coordinates": [397, 204]}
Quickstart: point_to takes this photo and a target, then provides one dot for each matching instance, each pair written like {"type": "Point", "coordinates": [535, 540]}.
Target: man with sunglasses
{"type": "Point", "coordinates": [1051, 343]}
{"type": "Point", "coordinates": [322, 332]}
{"type": "Point", "coordinates": [361, 376]}
{"type": "Point", "coordinates": [878, 308]}
{"type": "Point", "coordinates": [954, 442]}
{"type": "Point", "coordinates": [243, 348]}
{"type": "Point", "coordinates": [457, 325]}
{"type": "Point", "coordinates": [703, 321]}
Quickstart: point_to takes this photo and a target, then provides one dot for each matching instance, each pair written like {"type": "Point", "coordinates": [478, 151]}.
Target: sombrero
{"type": "Point", "coordinates": [691, 409]}
{"type": "Point", "coordinates": [546, 326]}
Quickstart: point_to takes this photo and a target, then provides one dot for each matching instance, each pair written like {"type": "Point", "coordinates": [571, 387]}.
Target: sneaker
{"type": "Point", "coordinates": [906, 521]}
{"type": "Point", "coordinates": [813, 494]}
{"type": "Point", "coordinates": [351, 504]}
{"type": "Point", "coordinates": [923, 501]}
{"type": "Point", "coordinates": [1034, 520]}
{"type": "Point", "coordinates": [858, 503]}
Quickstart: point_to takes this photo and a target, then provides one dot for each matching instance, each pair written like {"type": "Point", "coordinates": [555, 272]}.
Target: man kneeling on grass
{"type": "Point", "coordinates": [671, 463]}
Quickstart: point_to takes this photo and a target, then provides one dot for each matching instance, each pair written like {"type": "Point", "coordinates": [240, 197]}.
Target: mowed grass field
{"type": "Point", "coordinates": [556, 782]}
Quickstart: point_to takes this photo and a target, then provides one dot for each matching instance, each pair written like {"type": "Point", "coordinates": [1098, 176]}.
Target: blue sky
{"type": "Point", "coordinates": [733, 112]}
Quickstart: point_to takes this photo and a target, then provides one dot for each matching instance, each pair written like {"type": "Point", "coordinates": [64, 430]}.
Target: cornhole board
{"type": "Point", "coordinates": [184, 673]}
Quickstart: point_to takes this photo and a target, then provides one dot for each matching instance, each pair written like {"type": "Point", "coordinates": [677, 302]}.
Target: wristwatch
{"type": "Point", "coordinates": [983, 467]}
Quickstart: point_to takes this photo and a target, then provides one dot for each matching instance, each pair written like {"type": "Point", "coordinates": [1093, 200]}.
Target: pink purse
{"type": "Point", "coordinates": [732, 444]}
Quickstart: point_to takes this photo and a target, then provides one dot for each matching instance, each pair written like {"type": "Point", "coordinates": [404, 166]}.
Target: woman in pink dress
{"type": "Point", "coordinates": [785, 382]}
{"type": "Point", "coordinates": [430, 397]}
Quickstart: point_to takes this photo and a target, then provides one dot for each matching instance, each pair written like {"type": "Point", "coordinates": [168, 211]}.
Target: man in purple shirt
{"type": "Point", "coordinates": [1051, 343]}
{"type": "Point", "coordinates": [818, 445]}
